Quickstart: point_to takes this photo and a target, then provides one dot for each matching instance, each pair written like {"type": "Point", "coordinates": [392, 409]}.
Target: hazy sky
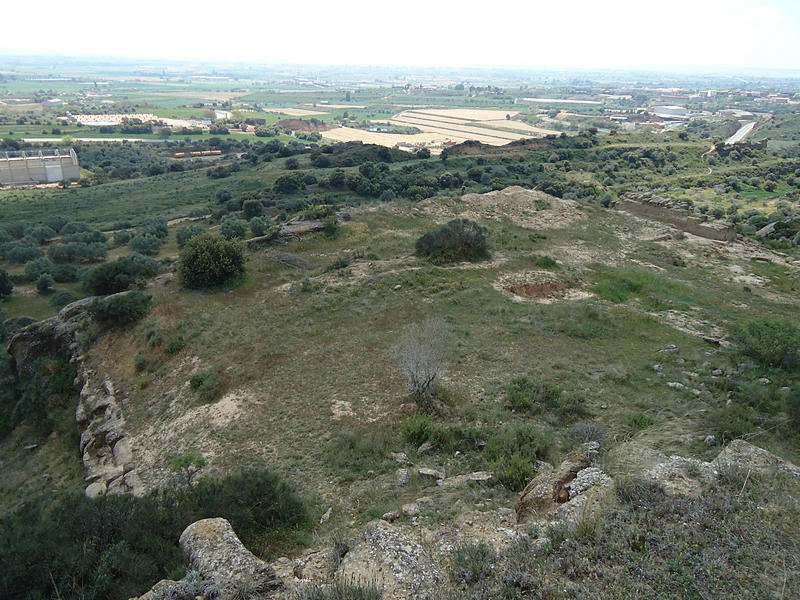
{"type": "Point", "coordinates": [577, 33]}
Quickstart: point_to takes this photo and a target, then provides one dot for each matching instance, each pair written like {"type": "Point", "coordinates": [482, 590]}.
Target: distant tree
{"type": "Point", "coordinates": [145, 243]}
{"type": "Point", "coordinates": [232, 227]}
{"type": "Point", "coordinates": [44, 284]}
{"type": "Point", "coordinates": [459, 239]}
{"type": "Point", "coordinates": [252, 208]}
{"type": "Point", "coordinates": [184, 234]}
{"type": "Point", "coordinates": [258, 226]}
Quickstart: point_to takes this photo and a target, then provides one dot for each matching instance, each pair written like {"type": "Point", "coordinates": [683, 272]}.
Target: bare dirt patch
{"type": "Point", "coordinates": [527, 208]}
{"type": "Point", "coordinates": [542, 287]}
{"type": "Point", "coordinates": [304, 124]}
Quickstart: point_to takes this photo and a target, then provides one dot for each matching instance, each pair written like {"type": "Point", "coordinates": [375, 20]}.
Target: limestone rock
{"type": "Point", "coordinates": [550, 488]}
{"type": "Point", "coordinates": [212, 548]}
{"type": "Point", "coordinates": [402, 477]}
{"type": "Point", "coordinates": [682, 476]}
{"type": "Point", "coordinates": [393, 561]}
{"type": "Point", "coordinates": [746, 456]}
{"type": "Point", "coordinates": [430, 474]}
{"type": "Point", "coordinates": [425, 447]}
{"type": "Point", "coordinates": [95, 489]}
{"type": "Point", "coordinates": [400, 458]}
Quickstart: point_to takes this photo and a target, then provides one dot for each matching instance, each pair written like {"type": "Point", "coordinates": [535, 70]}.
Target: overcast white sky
{"type": "Point", "coordinates": [580, 33]}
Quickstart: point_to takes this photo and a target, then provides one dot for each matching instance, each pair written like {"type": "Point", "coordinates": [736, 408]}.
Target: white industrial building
{"type": "Point", "coordinates": [38, 166]}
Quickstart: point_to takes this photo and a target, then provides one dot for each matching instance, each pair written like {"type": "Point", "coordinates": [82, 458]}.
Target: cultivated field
{"type": "Point", "coordinates": [295, 112]}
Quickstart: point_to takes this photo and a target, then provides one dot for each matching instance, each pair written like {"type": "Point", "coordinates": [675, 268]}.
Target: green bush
{"type": "Point", "coordinates": [533, 396]}
{"type": "Point", "coordinates": [210, 260]}
{"type": "Point", "coordinates": [207, 384]}
{"type": "Point", "coordinates": [252, 208]}
{"type": "Point", "coordinates": [184, 234]}
{"type": "Point", "coordinates": [174, 345]}
{"type": "Point", "coordinates": [232, 227]}
{"type": "Point", "coordinates": [258, 226]}
{"type": "Point", "coordinates": [458, 240]}
{"type": "Point", "coordinates": [113, 547]}
{"type": "Point", "coordinates": [770, 343]}
{"type": "Point", "coordinates": [44, 283]}
{"type": "Point", "coordinates": [121, 309]}
{"type": "Point", "coordinates": [514, 471]}
{"type": "Point", "coordinates": [118, 276]}
{"type": "Point", "coordinates": [145, 243]}
{"type": "Point", "coordinates": [526, 440]}
{"type": "Point", "coordinates": [417, 429]}
{"type": "Point", "coordinates": [61, 299]}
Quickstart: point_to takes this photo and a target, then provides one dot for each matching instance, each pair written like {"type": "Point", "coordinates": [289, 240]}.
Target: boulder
{"type": "Point", "coordinates": [394, 562]}
{"type": "Point", "coordinates": [745, 455]}
{"type": "Point", "coordinates": [212, 548]}
{"type": "Point", "coordinates": [551, 488]}
{"type": "Point", "coordinates": [430, 474]}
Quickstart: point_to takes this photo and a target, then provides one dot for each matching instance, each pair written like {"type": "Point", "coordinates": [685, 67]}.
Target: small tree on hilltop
{"type": "Point", "coordinates": [210, 260]}
{"type": "Point", "coordinates": [460, 239]}
{"type": "Point", "coordinates": [421, 353]}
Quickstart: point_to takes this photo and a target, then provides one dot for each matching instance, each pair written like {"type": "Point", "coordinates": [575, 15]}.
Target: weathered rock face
{"type": "Point", "coordinates": [393, 561]}
{"type": "Point", "coordinates": [213, 549]}
{"type": "Point", "coordinates": [746, 456]}
{"type": "Point", "coordinates": [550, 489]}
{"type": "Point", "coordinates": [53, 336]}
{"type": "Point", "coordinates": [105, 450]}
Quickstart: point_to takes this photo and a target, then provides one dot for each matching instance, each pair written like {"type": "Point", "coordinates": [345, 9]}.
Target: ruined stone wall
{"type": "Point", "coordinates": [678, 218]}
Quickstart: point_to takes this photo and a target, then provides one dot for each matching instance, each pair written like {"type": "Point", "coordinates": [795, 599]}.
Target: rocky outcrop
{"type": "Point", "coordinates": [550, 489]}
{"type": "Point", "coordinates": [50, 337]}
{"type": "Point", "coordinates": [746, 456]}
{"type": "Point", "coordinates": [105, 450]}
{"type": "Point", "coordinates": [211, 548]}
{"type": "Point", "coordinates": [394, 562]}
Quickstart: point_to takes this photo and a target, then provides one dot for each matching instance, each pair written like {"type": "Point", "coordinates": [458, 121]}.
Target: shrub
{"type": "Point", "coordinates": [121, 309]}
{"type": "Point", "coordinates": [174, 345]}
{"type": "Point", "coordinates": [113, 546]}
{"type": "Point", "coordinates": [460, 239]}
{"type": "Point", "coordinates": [118, 276]}
{"type": "Point", "coordinates": [339, 590]}
{"type": "Point", "coordinates": [258, 226]}
{"type": "Point", "coordinates": [22, 252]}
{"type": "Point", "coordinates": [527, 395]}
{"type": "Point", "coordinates": [472, 563]}
{"type": "Point", "coordinates": [252, 208]}
{"type": "Point", "coordinates": [44, 283]}
{"type": "Point", "coordinates": [207, 384]}
{"type": "Point", "coordinates": [514, 471]}
{"type": "Point", "coordinates": [331, 227]}
{"type": "Point", "coordinates": [417, 429]}
{"type": "Point", "coordinates": [770, 343]}
{"type": "Point", "coordinates": [184, 234]}
{"type": "Point", "coordinates": [232, 227]}
{"type": "Point", "coordinates": [210, 260]}
{"type": "Point", "coordinates": [526, 440]}
{"type": "Point", "coordinates": [36, 267]}
{"type": "Point", "coordinates": [6, 287]}
{"type": "Point", "coordinates": [145, 243]}
{"type": "Point", "coordinates": [546, 262]}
